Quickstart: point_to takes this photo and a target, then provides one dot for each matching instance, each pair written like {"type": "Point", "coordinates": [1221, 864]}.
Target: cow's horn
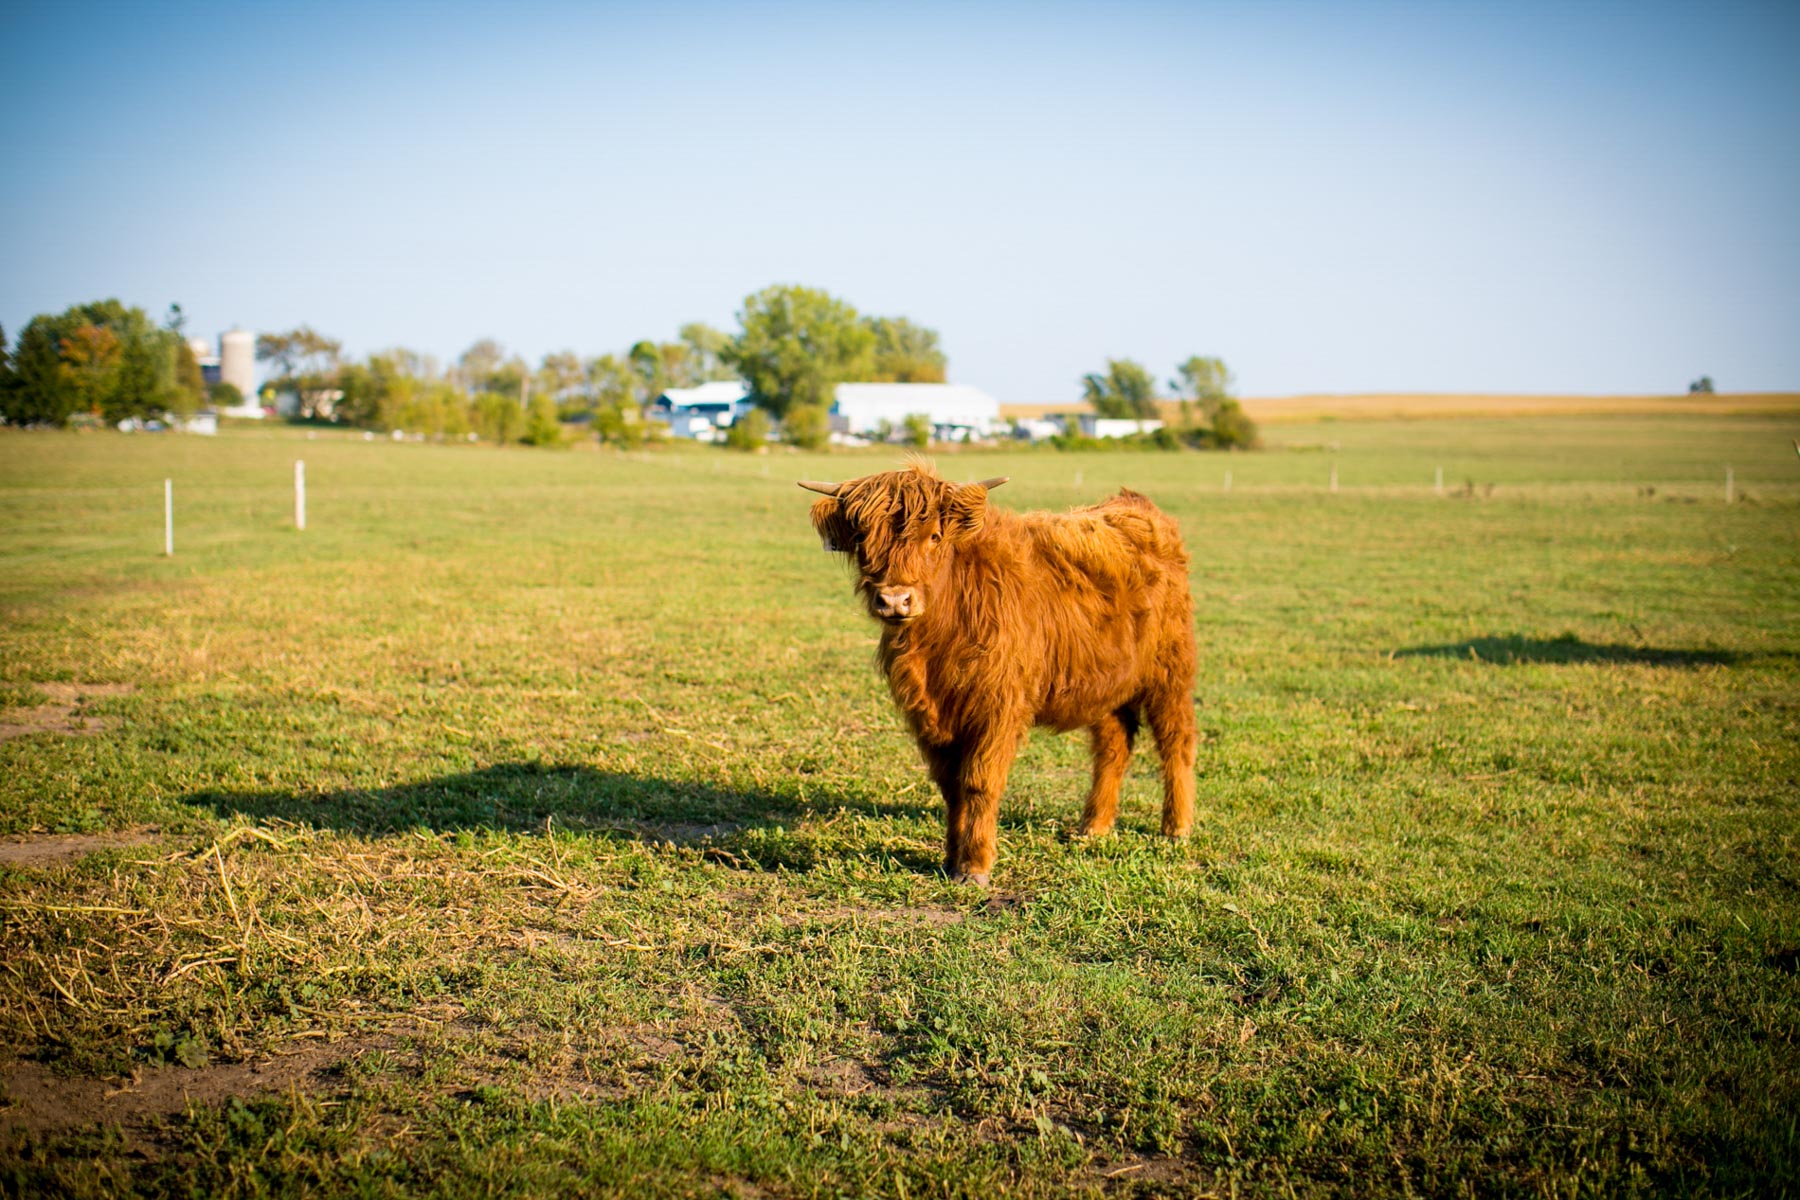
{"type": "Point", "coordinates": [824, 489]}
{"type": "Point", "coordinates": [996, 481]}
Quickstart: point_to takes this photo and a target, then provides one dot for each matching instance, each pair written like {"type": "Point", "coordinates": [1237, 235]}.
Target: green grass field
{"type": "Point", "coordinates": [535, 822]}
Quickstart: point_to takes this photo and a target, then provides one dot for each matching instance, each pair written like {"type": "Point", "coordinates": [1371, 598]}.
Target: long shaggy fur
{"type": "Point", "coordinates": [1070, 620]}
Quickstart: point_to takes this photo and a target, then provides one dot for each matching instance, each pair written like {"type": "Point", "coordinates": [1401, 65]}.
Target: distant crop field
{"type": "Point", "coordinates": [1425, 406]}
{"type": "Point", "coordinates": [535, 822]}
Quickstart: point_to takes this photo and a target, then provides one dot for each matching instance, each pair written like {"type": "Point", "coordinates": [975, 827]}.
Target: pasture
{"type": "Point", "coordinates": [536, 822]}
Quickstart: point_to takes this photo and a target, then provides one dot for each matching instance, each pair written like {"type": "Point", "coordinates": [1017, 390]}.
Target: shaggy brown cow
{"type": "Point", "coordinates": [995, 621]}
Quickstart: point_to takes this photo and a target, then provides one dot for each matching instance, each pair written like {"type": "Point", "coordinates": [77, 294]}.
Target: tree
{"type": "Point", "coordinates": [561, 379]}
{"type": "Point", "coordinates": [542, 428]}
{"type": "Point", "coordinates": [918, 430]}
{"type": "Point", "coordinates": [904, 352]}
{"type": "Point", "coordinates": [90, 365]}
{"type": "Point", "coordinates": [749, 432]}
{"type": "Point", "coordinates": [1206, 381]}
{"type": "Point", "coordinates": [102, 357]}
{"type": "Point", "coordinates": [498, 417]}
{"type": "Point", "coordinates": [795, 345]}
{"type": "Point", "coordinates": [224, 395]}
{"type": "Point", "coordinates": [1126, 390]}
{"type": "Point", "coordinates": [1206, 384]}
{"type": "Point", "coordinates": [148, 385]}
{"type": "Point", "coordinates": [649, 380]}
{"type": "Point", "coordinates": [307, 363]}
{"type": "Point", "coordinates": [190, 381]}
{"type": "Point", "coordinates": [478, 363]}
{"type": "Point", "coordinates": [1702, 386]}
{"type": "Point", "coordinates": [1232, 428]}
{"type": "Point", "coordinates": [610, 380]}
{"type": "Point", "coordinates": [707, 348]}
{"type": "Point", "coordinates": [618, 425]}
{"type": "Point", "coordinates": [807, 426]}
{"type": "Point", "coordinates": [7, 379]}
{"type": "Point", "coordinates": [41, 391]}
{"type": "Point", "coordinates": [509, 380]}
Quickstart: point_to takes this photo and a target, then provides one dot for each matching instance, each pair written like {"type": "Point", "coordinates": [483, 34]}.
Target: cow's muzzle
{"type": "Point", "coordinates": [896, 604]}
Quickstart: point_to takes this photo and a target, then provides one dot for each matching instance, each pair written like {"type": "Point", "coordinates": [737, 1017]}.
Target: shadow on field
{"type": "Point", "coordinates": [750, 828]}
{"type": "Point", "coordinates": [1509, 650]}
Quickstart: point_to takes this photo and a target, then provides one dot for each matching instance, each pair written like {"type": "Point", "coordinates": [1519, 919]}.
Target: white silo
{"type": "Point", "coordinates": [237, 361]}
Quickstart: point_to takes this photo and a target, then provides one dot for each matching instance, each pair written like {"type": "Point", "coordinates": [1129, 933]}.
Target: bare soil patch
{"type": "Point", "coordinates": [42, 1102]}
{"type": "Point", "coordinates": [65, 713]}
{"type": "Point", "coordinates": [78, 693]}
{"type": "Point", "coordinates": [64, 847]}
{"type": "Point", "coordinates": [1142, 1175]}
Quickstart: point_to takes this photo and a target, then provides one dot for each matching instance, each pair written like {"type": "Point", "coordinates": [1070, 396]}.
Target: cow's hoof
{"type": "Point", "coordinates": [1085, 832]}
{"type": "Point", "coordinates": [978, 878]}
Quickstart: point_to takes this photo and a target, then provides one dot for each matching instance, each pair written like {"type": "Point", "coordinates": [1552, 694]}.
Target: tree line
{"type": "Point", "coordinates": [793, 346]}
{"type": "Point", "coordinates": [101, 360]}
{"type": "Point", "coordinates": [1207, 415]}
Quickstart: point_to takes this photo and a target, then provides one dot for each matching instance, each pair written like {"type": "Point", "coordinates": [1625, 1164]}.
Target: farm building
{"type": "Point", "coordinates": [1114, 427]}
{"type": "Point", "coordinates": [700, 412]}
{"type": "Point", "coordinates": [957, 413]}
{"type": "Point", "coordinates": [1040, 421]}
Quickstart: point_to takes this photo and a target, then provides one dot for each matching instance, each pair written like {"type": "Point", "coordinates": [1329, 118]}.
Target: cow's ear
{"type": "Point", "coordinates": [834, 531]}
{"type": "Point", "coordinates": [966, 512]}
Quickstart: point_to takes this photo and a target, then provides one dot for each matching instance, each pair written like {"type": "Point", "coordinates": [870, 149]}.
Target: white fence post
{"type": "Point", "coordinates": [1228, 481]}
{"type": "Point", "coordinates": [1730, 491]}
{"type": "Point", "coordinates": [300, 494]}
{"type": "Point", "coordinates": [1334, 477]}
{"type": "Point", "coordinates": [168, 518]}
{"type": "Point", "coordinates": [1438, 487]}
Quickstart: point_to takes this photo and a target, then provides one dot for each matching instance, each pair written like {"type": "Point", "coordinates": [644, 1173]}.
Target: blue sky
{"type": "Point", "coordinates": [1332, 197]}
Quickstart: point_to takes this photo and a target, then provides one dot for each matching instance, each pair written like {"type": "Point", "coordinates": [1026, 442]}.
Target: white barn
{"type": "Point", "coordinates": [956, 412]}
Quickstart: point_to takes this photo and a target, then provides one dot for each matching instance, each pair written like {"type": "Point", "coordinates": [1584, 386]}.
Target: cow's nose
{"type": "Point", "coordinates": [897, 602]}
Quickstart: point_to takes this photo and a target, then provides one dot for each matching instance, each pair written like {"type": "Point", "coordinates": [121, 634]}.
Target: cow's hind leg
{"type": "Point", "coordinates": [1171, 714]}
{"type": "Point", "coordinates": [1111, 736]}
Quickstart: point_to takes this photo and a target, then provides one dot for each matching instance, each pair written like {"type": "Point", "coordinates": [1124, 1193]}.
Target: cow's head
{"type": "Point", "coordinates": [902, 529]}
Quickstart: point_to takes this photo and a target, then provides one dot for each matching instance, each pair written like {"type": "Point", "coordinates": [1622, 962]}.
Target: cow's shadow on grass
{"type": "Point", "coordinates": [1506, 651]}
{"type": "Point", "coordinates": [745, 826]}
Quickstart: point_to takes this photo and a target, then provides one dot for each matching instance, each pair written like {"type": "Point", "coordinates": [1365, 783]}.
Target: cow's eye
{"type": "Point", "coordinates": [936, 538]}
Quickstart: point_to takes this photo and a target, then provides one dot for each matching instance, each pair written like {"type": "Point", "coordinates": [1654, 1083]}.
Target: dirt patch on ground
{"type": "Point", "coordinates": [1145, 1176]}
{"type": "Point", "coordinates": [78, 693]}
{"type": "Point", "coordinates": [55, 848]}
{"type": "Point", "coordinates": [65, 713]}
{"type": "Point", "coordinates": [841, 1077]}
{"type": "Point", "coordinates": [42, 1102]}
{"type": "Point", "coordinates": [1003, 902]}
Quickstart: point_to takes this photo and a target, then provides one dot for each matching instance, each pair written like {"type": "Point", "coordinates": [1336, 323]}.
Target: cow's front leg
{"type": "Point", "coordinates": [987, 760]}
{"type": "Point", "coordinates": [945, 765]}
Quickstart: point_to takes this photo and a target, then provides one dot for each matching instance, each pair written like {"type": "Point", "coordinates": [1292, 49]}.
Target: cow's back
{"type": "Point", "coordinates": [1105, 589]}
